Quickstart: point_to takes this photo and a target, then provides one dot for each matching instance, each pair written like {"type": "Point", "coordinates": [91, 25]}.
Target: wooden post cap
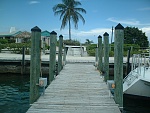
{"type": "Point", "coordinates": [53, 33]}
{"type": "Point", "coordinates": [119, 26]}
{"type": "Point", "coordinates": [36, 28]}
{"type": "Point", "coordinates": [105, 34]}
{"type": "Point", "coordinates": [99, 36]}
{"type": "Point", "coordinates": [60, 36]}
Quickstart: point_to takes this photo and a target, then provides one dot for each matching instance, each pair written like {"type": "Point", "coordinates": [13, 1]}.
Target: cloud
{"type": "Point", "coordinates": [126, 21]}
{"type": "Point", "coordinates": [144, 9]}
{"type": "Point", "coordinates": [147, 31]}
{"type": "Point", "coordinates": [83, 35]}
{"type": "Point", "coordinates": [33, 2]}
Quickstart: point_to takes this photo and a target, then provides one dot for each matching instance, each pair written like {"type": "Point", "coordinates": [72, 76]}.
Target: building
{"type": "Point", "coordinates": [11, 35]}
{"type": "Point", "coordinates": [45, 37]}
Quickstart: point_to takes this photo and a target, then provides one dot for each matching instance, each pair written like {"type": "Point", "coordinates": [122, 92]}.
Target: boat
{"type": "Point", "coordinates": [137, 82]}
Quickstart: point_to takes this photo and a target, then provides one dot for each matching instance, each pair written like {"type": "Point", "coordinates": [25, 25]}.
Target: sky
{"type": "Point", "coordinates": [100, 17]}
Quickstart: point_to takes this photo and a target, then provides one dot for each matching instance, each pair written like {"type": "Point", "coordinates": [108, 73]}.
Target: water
{"type": "Point", "coordinates": [136, 104]}
{"type": "Point", "coordinates": [14, 96]}
{"type": "Point", "coordinates": [14, 93]}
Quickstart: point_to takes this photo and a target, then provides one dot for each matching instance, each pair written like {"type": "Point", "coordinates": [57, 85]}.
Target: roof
{"type": "Point", "coordinates": [8, 34]}
{"type": "Point", "coordinates": [23, 34]}
{"type": "Point", "coordinates": [45, 33]}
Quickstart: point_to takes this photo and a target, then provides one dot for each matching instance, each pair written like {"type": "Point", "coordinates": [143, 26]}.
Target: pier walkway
{"type": "Point", "coordinates": [77, 89]}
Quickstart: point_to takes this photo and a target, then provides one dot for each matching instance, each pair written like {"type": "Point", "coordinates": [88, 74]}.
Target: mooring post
{"type": "Point", "coordinates": [118, 64]}
{"type": "Point", "coordinates": [96, 57]}
{"type": "Point", "coordinates": [100, 54]}
{"type": "Point", "coordinates": [43, 45]}
{"type": "Point", "coordinates": [64, 56]}
{"type": "Point", "coordinates": [35, 63]}
{"type": "Point", "coordinates": [106, 57]}
{"type": "Point", "coordinates": [23, 60]}
{"type": "Point", "coordinates": [60, 53]}
{"type": "Point", "coordinates": [128, 62]}
{"type": "Point", "coordinates": [52, 62]}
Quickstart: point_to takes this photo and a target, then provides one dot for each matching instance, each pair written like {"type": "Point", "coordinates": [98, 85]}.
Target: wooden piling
{"type": "Point", "coordinates": [96, 57]}
{"type": "Point", "coordinates": [23, 60]}
{"type": "Point", "coordinates": [52, 62]}
{"type": "Point", "coordinates": [64, 56]}
{"type": "Point", "coordinates": [128, 62]}
{"type": "Point", "coordinates": [100, 54]}
{"type": "Point", "coordinates": [60, 53]}
{"type": "Point", "coordinates": [106, 57]}
{"type": "Point", "coordinates": [44, 46]}
{"type": "Point", "coordinates": [118, 64]}
{"type": "Point", "coordinates": [35, 63]}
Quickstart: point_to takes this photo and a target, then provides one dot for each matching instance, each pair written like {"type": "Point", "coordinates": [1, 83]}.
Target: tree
{"type": "Point", "coordinates": [133, 35]}
{"type": "Point", "coordinates": [68, 12]}
{"type": "Point", "coordinates": [88, 41]}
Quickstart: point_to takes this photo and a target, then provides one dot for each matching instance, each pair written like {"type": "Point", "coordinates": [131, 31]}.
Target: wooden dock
{"type": "Point", "coordinates": [77, 89]}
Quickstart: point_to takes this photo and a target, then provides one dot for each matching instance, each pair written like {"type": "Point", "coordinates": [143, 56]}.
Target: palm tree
{"type": "Point", "coordinates": [68, 12]}
{"type": "Point", "coordinates": [88, 41]}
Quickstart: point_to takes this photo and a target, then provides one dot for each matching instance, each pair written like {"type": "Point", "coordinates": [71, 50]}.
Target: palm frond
{"type": "Point", "coordinates": [69, 11]}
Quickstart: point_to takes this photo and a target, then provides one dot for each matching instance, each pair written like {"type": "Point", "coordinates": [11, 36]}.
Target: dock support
{"type": "Point", "coordinates": [106, 57]}
{"type": "Point", "coordinates": [128, 62]}
{"type": "Point", "coordinates": [118, 64]}
{"type": "Point", "coordinates": [23, 60]}
{"type": "Point", "coordinates": [52, 62]}
{"type": "Point", "coordinates": [60, 53]}
{"type": "Point", "coordinates": [96, 57]}
{"type": "Point", "coordinates": [100, 54]}
{"type": "Point", "coordinates": [64, 56]}
{"type": "Point", "coordinates": [35, 63]}
{"type": "Point", "coordinates": [44, 43]}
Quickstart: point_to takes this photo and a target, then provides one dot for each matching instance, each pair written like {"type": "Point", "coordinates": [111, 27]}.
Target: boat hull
{"type": "Point", "coordinates": [139, 88]}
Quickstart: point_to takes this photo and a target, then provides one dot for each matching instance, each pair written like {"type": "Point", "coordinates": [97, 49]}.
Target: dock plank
{"type": "Point", "coordinates": [77, 89]}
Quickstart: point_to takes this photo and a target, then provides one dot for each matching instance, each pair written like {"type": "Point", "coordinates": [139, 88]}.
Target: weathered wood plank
{"type": "Point", "coordinates": [77, 89]}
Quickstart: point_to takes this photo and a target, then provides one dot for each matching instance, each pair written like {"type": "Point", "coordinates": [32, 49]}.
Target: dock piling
{"type": "Point", "coordinates": [60, 53]}
{"type": "Point", "coordinates": [64, 56]}
{"type": "Point", "coordinates": [35, 63]}
{"type": "Point", "coordinates": [106, 57]}
{"type": "Point", "coordinates": [100, 54]}
{"type": "Point", "coordinates": [52, 62]}
{"type": "Point", "coordinates": [23, 60]}
{"type": "Point", "coordinates": [118, 64]}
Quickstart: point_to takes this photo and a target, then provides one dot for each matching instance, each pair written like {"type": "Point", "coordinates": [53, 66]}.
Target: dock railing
{"type": "Point", "coordinates": [139, 61]}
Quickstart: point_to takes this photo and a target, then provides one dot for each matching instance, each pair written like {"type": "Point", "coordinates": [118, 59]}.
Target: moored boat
{"type": "Point", "coordinates": [137, 82]}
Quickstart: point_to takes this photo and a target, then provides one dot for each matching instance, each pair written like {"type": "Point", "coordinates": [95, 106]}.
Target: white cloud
{"type": "Point", "coordinates": [33, 2]}
{"type": "Point", "coordinates": [126, 21]}
{"type": "Point", "coordinates": [147, 31]}
{"type": "Point", "coordinates": [83, 35]}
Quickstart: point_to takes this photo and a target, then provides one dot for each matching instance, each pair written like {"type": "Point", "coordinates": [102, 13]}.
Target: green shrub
{"type": "Point", "coordinates": [91, 49]}
{"type": "Point", "coordinates": [111, 53]}
{"type": "Point", "coordinates": [72, 42]}
{"type": "Point", "coordinates": [17, 47]}
{"type": "Point", "coordinates": [3, 41]}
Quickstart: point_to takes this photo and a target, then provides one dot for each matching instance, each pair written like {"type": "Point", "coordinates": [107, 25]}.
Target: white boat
{"type": "Point", "coordinates": [137, 82]}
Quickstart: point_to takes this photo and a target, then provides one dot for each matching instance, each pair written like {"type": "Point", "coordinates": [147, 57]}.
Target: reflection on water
{"type": "Point", "coordinates": [14, 93]}
{"type": "Point", "coordinates": [136, 104]}
{"type": "Point", "coordinates": [14, 96]}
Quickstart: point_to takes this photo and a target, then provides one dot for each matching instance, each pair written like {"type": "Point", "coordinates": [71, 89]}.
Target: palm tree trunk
{"type": "Point", "coordinates": [69, 30]}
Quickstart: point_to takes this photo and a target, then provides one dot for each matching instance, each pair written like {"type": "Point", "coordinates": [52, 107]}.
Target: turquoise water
{"type": "Point", "coordinates": [14, 96]}
{"type": "Point", "coordinates": [14, 93]}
